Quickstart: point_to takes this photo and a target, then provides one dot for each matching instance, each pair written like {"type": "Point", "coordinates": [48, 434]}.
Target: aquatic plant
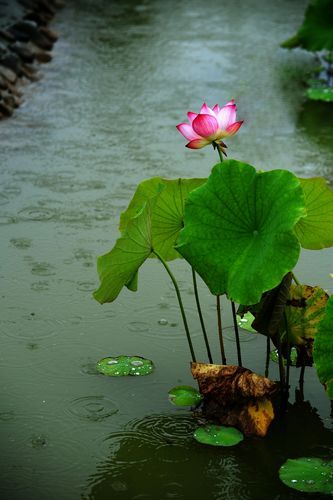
{"type": "Point", "coordinates": [316, 35]}
{"type": "Point", "coordinates": [242, 231]}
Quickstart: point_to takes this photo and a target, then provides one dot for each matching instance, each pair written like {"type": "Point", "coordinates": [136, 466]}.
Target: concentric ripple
{"type": "Point", "coordinates": [93, 408]}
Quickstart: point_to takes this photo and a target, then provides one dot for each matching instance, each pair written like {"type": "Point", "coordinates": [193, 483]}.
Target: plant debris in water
{"type": "Point", "coordinates": [218, 435]}
{"type": "Point", "coordinates": [184, 395]}
{"type": "Point", "coordinates": [310, 475]}
{"type": "Point", "coordinates": [121, 366]}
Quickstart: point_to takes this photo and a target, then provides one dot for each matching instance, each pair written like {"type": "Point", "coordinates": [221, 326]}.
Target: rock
{"type": "Point", "coordinates": [8, 74]}
{"type": "Point", "coordinates": [5, 110]}
{"type": "Point", "coordinates": [3, 83]}
{"type": "Point", "coordinates": [37, 17]}
{"type": "Point", "coordinates": [42, 41]}
{"type": "Point", "coordinates": [3, 49]}
{"type": "Point", "coordinates": [13, 62]}
{"type": "Point", "coordinates": [43, 57]}
{"type": "Point", "coordinates": [50, 34]}
{"type": "Point", "coordinates": [22, 51]}
{"type": "Point", "coordinates": [26, 26]}
{"type": "Point", "coordinates": [30, 73]}
{"type": "Point", "coordinates": [5, 35]}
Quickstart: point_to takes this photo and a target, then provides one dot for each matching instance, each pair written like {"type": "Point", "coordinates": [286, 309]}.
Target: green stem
{"type": "Point", "coordinates": [234, 317]}
{"type": "Point", "coordinates": [219, 323]}
{"type": "Point", "coordinates": [219, 151]}
{"type": "Point", "coordinates": [295, 279]}
{"type": "Point", "coordinates": [204, 332]}
{"type": "Point", "coordinates": [180, 302]}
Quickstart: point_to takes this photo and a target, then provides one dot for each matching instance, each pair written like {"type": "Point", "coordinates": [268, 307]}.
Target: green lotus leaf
{"type": "Point", "coordinates": [218, 435]}
{"type": "Point", "coordinates": [119, 267]}
{"type": "Point", "coordinates": [246, 321]}
{"type": "Point", "coordinates": [184, 395]}
{"type": "Point", "coordinates": [121, 366]}
{"type": "Point", "coordinates": [315, 230]}
{"type": "Point", "coordinates": [315, 34]}
{"type": "Point", "coordinates": [238, 232]}
{"type": "Point", "coordinates": [323, 349]}
{"type": "Point", "coordinates": [320, 93]}
{"type": "Point", "coordinates": [304, 311]}
{"type": "Point", "coordinates": [311, 475]}
{"type": "Point", "coordinates": [168, 213]}
{"type": "Point", "coordinates": [274, 356]}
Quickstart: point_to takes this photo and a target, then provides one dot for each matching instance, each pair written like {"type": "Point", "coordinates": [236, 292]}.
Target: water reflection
{"type": "Point", "coordinates": [156, 457]}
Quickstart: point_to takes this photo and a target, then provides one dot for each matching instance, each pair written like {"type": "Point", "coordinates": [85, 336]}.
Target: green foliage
{"type": "Point", "coordinates": [168, 213]}
{"type": "Point", "coordinates": [238, 222]}
{"type": "Point", "coordinates": [316, 32]}
{"type": "Point", "coordinates": [320, 93]}
{"type": "Point", "coordinates": [274, 356]}
{"type": "Point", "coordinates": [184, 395]}
{"type": "Point", "coordinates": [315, 230]}
{"type": "Point", "coordinates": [323, 349]}
{"type": "Point", "coordinates": [119, 267]}
{"type": "Point", "coordinates": [311, 475]}
{"type": "Point", "coordinates": [121, 366]}
{"type": "Point", "coordinates": [218, 435]}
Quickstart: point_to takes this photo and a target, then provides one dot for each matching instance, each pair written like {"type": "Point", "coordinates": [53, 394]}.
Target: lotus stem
{"type": "Point", "coordinates": [281, 367]}
{"type": "Point", "coordinates": [180, 302]}
{"type": "Point", "coordinates": [288, 353]}
{"type": "Point", "coordinates": [234, 317]}
{"type": "Point", "coordinates": [219, 323]}
{"type": "Point", "coordinates": [203, 328]}
{"type": "Point", "coordinates": [295, 279]}
{"type": "Point", "coordinates": [301, 380]}
{"type": "Point", "coordinates": [268, 351]}
{"type": "Point", "coordinates": [219, 151]}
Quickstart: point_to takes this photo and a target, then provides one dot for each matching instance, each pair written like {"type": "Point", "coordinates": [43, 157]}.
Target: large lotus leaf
{"type": "Point", "coordinates": [119, 267]}
{"type": "Point", "coordinates": [238, 232]}
{"type": "Point", "coordinates": [315, 34]}
{"type": "Point", "coordinates": [323, 349]}
{"type": "Point", "coordinates": [315, 230]}
{"type": "Point", "coordinates": [308, 474]}
{"type": "Point", "coordinates": [168, 213]}
{"type": "Point", "coordinates": [304, 311]}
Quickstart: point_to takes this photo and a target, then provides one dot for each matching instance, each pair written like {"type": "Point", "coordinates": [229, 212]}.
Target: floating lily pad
{"type": "Point", "coordinates": [320, 94]}
{"type": "Point", "coordinates": [121, 366]}
{"type": "Point", "coordinates": [184, 395]}
{"type": "Point", "coordinates": [218, 435]}
{"type": "Point", "coordinates": [310, 475]}
{"type": "Point", "coordinates": [274, 355]}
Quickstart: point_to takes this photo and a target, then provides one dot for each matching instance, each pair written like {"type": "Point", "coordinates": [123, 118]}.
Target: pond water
{"type": "Point", "coordinates": [101, 119]}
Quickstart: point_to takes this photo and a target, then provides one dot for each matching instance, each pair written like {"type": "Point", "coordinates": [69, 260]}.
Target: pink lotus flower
{"type": "Point", "coordinates": [210, 126]}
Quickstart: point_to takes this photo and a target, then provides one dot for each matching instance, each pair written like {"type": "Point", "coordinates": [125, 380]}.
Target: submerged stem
{"type": "Point", "coordinates": [203, 328]}
{"type": "Point", "coordinates": [295, 279]}
{"type": "Point", "coordinates": [219, 323]}
{"type": "Point", "coordinates": [234, 317]}
{"type": "Point", "coordinates": [268, 351]}
{"type": "Point", "coordinates": [180, 302]}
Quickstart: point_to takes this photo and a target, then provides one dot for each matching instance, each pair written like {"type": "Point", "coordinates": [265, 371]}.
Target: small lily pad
{"type": "Point", "coordinates": [320, 94]}
{"type": "Point", "coordinates": [310, 475]}
{"type": "Point", "coordinates": [274, 355]}
{"type": "Point", "coordinates": [184, 395]}
{"type": "Point", "coordinates": [218, 435]}
{"type": "Point", "coordinates": [245, 322]}
{"type": "Point", "coordinates": [121, 366]}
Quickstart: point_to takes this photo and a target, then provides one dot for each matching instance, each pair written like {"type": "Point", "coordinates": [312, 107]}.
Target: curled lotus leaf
{"type": "Point", "coordinates": [323, 349]}
{"type": "Point", "coordinates": [119, 267]}
{"type": "Point", "coordinates": [184, 395]}
{"type": "Point", "coordinates": [120, 366]}
{"type": "Point", "coordinates": [315, 34]}
{"type": "Point", "coordinates": [231, 383]}
{"type": "Point", "coordinates": [235, 396]}
{"type": "Point", "coordinates": [308, 474]}
{"type": "Point", "coordinates": [315, 230]}
{"type": "Point", "coordinates": [238, 220]}
{"type": "Point", "coordinates": [304, 311]}
{"type": "Point", "coordinates": [245, 322]}
{"type": "Point", "coordinates": [218, 435]}
{"type": "Point", "coordinates": [168, 213]}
